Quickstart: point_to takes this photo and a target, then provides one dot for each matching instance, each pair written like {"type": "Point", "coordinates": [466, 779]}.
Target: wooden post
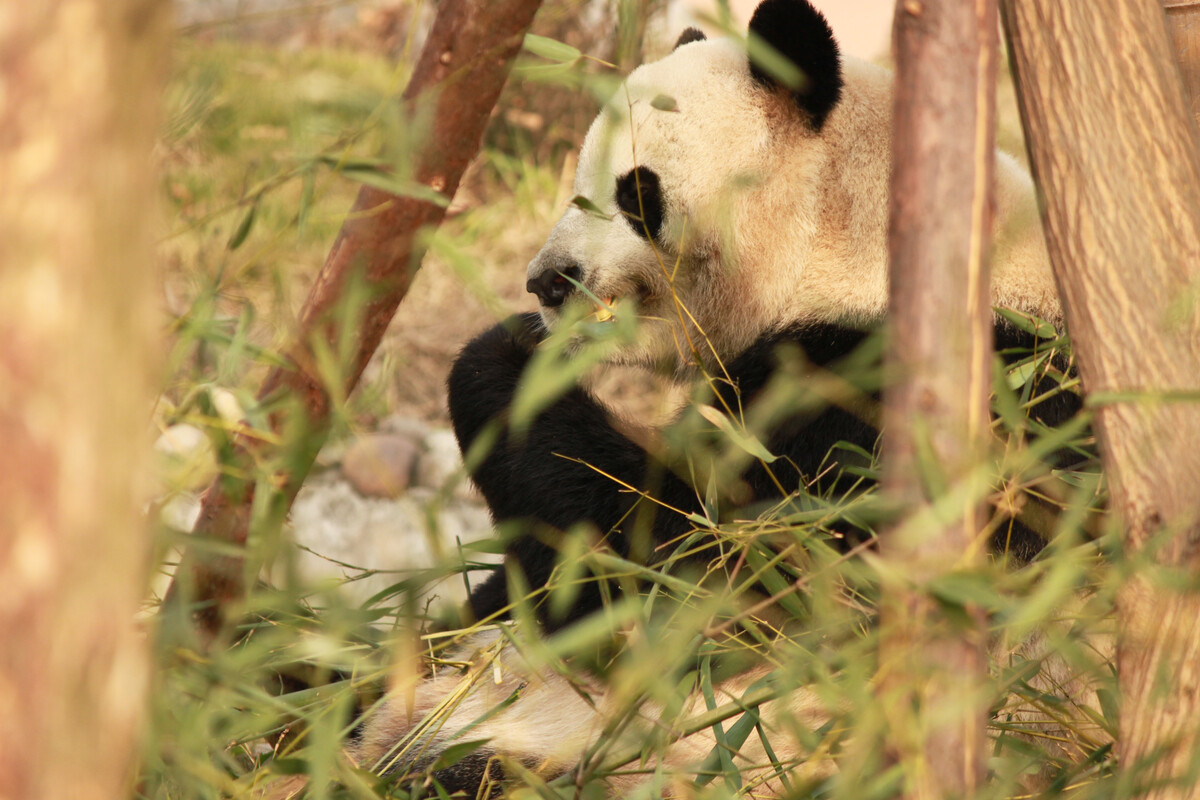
{"type": "Point", "coordinates": [1114, 152]}
{"type": "Point", "coordinates": [932, 667]}
{"type": "Point", "coordinates": [80, 92]}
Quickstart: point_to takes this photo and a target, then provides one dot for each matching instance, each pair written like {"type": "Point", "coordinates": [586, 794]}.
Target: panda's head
{"type": "Point", "coordinates": [724, 200]}
{"type": "Point", "coordinates": [705, 179]}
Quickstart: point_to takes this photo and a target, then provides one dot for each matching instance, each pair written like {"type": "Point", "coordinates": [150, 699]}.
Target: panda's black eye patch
{"type": "Point", "coordinates": [640, 200]}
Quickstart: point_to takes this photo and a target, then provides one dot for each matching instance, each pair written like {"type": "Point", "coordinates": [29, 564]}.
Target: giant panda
{"type": "Point", "coordinates": [733, 216]}
{"type": "Point", "coordinates": [743, 222]}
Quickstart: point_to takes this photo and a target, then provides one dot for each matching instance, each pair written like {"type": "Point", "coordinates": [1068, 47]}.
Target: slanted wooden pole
{"type": "Point", "coordinates": [932, 663]}
{"type": "Point", "coordinates": [1115, 153]}
{"type": "Point", "coordinates": [455, 85]}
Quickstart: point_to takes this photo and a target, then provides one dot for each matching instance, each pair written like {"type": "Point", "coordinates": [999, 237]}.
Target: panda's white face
{"type": "Point", "coordinates": [700, 143]}
{"type": "Point", "coordinates": [725, 206]}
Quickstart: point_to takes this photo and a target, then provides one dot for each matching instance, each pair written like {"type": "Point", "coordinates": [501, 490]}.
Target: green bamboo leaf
{"type": "Point", "coordinates": [386, 182]}
{"type": "Point", "coordinates": [723, 750]}
{"type": "Point", "coordinates": [583, 204]}
{"type": "Point", "coordinates": [1031, 325]}
{"type": "Point", "coordinates": [775, 64]}
{"type": "Point", "coordinates": [743, 440]}
{"type": "Point", "coordinates": [492, 545]}
{"type": "Point", "coordinates": [735, 737]}
{"type": "Point", "coordinates": [243, 228]}
{"type": "Point", "coordinates": [664, 102]}
{"type": "Point", "coordinates": [441, 791]}
{"type": "Point", "coordinates": [551, 49]}
{"type": "Point", "coordinates": [553, 73]}
{"type": "Point", "coordinates": [963, 588]}
{"type": "Point", "coordinates": [289, 766]}
{"type": "Point", "coordinates": [776, 584]}
{"type": "Point", "coordinates": [1019, 375]}
{"type": "Point", "coordinates": [309, 185]}
{"type": "Point", "coordinates": [456, 753]}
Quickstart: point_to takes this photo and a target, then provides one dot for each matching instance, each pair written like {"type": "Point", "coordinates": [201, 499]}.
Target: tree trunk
{"type": "Point", "coordinates": [932, 663]}
{"type": "Point", "coordinates": [461, 70]}
{"type": "Point", "coordinates": [1183, 23]}
{"type": "Point", "coordinates": [79, 109]}
{"type": "Point", "coordinates": [1114, 152]}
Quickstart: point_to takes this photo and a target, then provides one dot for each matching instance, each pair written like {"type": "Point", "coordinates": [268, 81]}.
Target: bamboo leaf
{"type": "Point", "coordinates": [551, 49]}
{"type": "Point", "coordinates": [378, 179]}
{"type": "Point", "coordinates": [456, 753]}
{"type": "Point", "coordinates": [243, 228]}
{"type": "Point", "coordinates": [1019, 375]}
{"type": "Point", "coordinates": [664, 102]}
{"type": "Point", "coordinates": [583, 204]}
{"type": "Point", "coordinates": [721, 750]}
{"type": "Point", "coordinates": [743, 440]}
{"type": "Point", "coordinates": [1032, 325]}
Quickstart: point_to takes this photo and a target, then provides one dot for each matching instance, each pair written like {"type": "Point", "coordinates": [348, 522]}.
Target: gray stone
{"type": "Point", "coordinates": [364, 545]}
{"type": "Point", "coordinates": [380, 464]}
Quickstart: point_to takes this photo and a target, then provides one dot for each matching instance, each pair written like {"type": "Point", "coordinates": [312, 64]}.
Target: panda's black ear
{"type": "Point", "coordinates": [799, 32]}
{"type": "Point", "coordinates": [688, 36]}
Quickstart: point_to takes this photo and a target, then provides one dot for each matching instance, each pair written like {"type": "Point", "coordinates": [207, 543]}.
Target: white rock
{"type": "Point", "coordinates": [227, 406]}
{"type": "Point", "coordinates": [440, 466]}
{"type": "Point", "coordinates": [186, 458]}
{"type": "Point", "coordinates": [181, 511]}
{"type": "Point", "coordinates": [392, 536]}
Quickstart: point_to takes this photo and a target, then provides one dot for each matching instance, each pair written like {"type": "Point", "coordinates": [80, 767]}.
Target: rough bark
{"type": "Point", "coordinates": [79, 96]}
{"type": "Point", "coordinates": [1183, 24]}
{"type": "Point", "coordinates": [1115, 154]}
{"type": "Point", "coordinates": [449, 98]}
{"type": "Point", "coordinates": [943, 152]}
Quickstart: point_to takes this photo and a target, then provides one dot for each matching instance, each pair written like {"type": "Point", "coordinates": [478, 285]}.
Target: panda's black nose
{"type": "Point", "coordinates": [554, 285]}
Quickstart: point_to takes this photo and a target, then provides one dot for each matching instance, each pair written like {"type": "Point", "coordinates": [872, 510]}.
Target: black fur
{"type": "Point", "coordinates": [533, 477]}
{"type": "Point", "coordinates": [639, 196]}
{"type": "Point", "coordinates": [688, 36]}
{"type": "Point", "coordinates": [478, 775]}
{"type": "Point", "coordinates": [799, 32]}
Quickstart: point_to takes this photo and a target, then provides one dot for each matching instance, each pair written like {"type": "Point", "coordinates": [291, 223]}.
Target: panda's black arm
{"type": "Point", "coordinates": [803, 440]}
{"type": "Point", "coordinates": [556, 474]}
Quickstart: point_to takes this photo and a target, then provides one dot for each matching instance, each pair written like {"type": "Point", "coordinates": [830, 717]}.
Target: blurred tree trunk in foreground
{"type": "Point", "coordinates": [449, 98]}
{"type": "Point", "coordinates": [79, 97]}
{"type": "Point", "coordinates": [932, 663]}
{"type": "Point", "coordinates": [1183, 23]}
{"type": "Point", "coordinates": [1114, 152]}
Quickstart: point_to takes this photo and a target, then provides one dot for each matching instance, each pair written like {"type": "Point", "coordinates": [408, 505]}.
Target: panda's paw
{"type": "Point", "coordinates": [486, 373]}
{"type": "Point", "coordinates": [498, 355]}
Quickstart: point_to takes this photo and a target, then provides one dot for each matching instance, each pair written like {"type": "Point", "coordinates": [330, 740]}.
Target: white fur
{"type": "Point", "coordinates": [767, 223]}
{"type": "Point", "coordinates": [554, 723]}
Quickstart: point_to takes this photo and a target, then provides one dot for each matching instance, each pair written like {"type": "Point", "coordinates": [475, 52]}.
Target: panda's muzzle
{"type": "Point", "coordinates": [555, 285]}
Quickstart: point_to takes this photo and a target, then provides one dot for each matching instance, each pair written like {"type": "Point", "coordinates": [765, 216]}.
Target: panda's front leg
{"type": "Point", "coordinates": [566, 467]}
